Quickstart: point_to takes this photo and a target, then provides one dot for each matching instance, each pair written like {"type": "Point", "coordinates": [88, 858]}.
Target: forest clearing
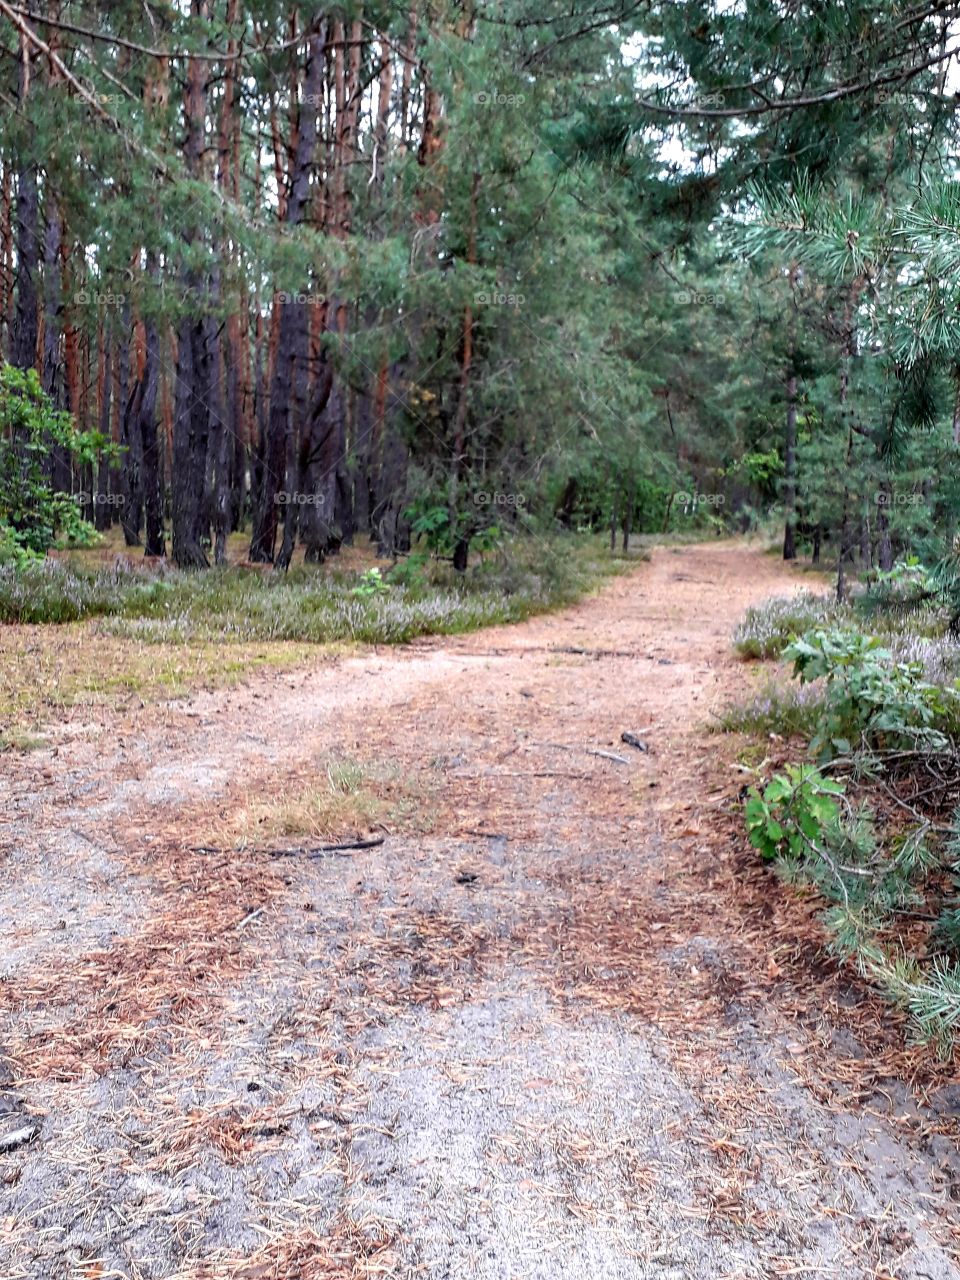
{"type": "Point", "coordinates": [479, 639]}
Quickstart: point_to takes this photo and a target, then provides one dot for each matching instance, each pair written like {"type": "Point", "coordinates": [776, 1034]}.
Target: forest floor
{"type": "Point", "coordinates": [559, 1024]}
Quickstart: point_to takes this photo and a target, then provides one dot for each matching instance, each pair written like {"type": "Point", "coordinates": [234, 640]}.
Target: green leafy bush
{"type": "Point", "coordinates": [877, 867]}
{"type": "Point", "coordinates": [73, 531]}
{"type": "Point", "coordinates": [435, 528]}
{"type": "Point", "coordinates": [12, 551]}
{"type": "Point", "coordinates": [802, 821]}
{"type": "Point", "coordinates": [32, 512]}
{"type": "Point", "coordinates": [430, 522]}
{"type": "Point", "coordinates": [911, 597]}
{"type": "Point", "coordinates": [870, 700]}
{"type": "Point", "coordinates": [410, 572]}
{"type": "Point", "coordinates": [371, 584]}
{"type": "Point", "coordinates": [787, 817]}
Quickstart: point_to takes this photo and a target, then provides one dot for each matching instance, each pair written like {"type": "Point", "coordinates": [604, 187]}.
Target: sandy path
{"type": "Point", "coordinates": [548, 1037]}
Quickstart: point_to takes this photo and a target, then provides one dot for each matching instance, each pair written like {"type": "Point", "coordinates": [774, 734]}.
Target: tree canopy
{"type": "Point", "coordinates": [318, 272]}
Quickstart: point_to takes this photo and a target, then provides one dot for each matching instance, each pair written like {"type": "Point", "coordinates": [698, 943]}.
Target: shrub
{"type": "Point", "coordinates": [801, 821]}
{"type": "Point", "coordinates": [869, 699]}
{"type": "Point", "coordinates": [793, 710]}
{"type": "Point", "coordinates": [787, 817]}
{"type": "Point", "coordinates": [371, 584]}
{"type": "Point", "coordinates": [46, 591]}
{"type": "Point", "coordinates": [767, 630]}
{"type": "Point", "coordinates": [902, 589]}
{"type": "Point", "coordinates": [32, 512]}
{"type": "Point", "coordinates": [12, 551]}
{"type": "Point", "coordinates": [878, 877]}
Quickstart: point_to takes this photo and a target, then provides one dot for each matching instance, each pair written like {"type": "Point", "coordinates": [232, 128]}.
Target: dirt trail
{"type": "Point", "coordinates": [551, 1035]}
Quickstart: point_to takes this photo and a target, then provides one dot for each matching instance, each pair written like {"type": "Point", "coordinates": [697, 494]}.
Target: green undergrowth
{"type": "Point", "coordinates": [865, 812]}
{"type": "Point", "coordinates": [418, 596]}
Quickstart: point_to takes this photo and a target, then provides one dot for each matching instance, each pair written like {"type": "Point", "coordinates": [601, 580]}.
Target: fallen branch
{"type": "Point", "coordinates": [590, 751]}
{"type": "Point", "coordinates": [300, 850]}
{"type": "Point", "coordinates": [593, 653]}
{"type": "Point", "coordinates": [343, 848]}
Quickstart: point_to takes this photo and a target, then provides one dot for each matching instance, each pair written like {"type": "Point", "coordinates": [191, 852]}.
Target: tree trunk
{"type": "Point", "coordinates": [191, 428]}
{"type": "Point", "coordinates": [847, 354]}
{"type": "Point", "coordinates": [408, 58]}
{"type": "Point", "coordinates": [392, 532]}
{"type": "Point", "coordinates": [224, 353]}
{"type": "Point", "coordinates": [131, 513]}
{"type": "Point", "coordinates": [884, 545]}
{"type": "Point", "coordinates": [220, 444]}
{"type": "Point", "coordinates": [53, 353]}
{"type": "Point", "coordinates": [23, 351]}
{"type": "Point", "coordinates": [458, 456]}
{"type": "Point", "coordinates": [304, 482]}
{"type": "Point", "coordinates": [668, 511]}
{"type": "Point", "coordinates": [98, 498]}
{"type": "Point", "coordinates": [6, 256]}
{"type": "Point", "coordinates": [52, 369]}
{"type": "Point", "coordinates": [790, 472]}
{"type": "Point", "coordinates": [191, 433]}
{"type": "Point", "coordinates": [846, 531]}
{"type": "Point", "coordinates": [259, 440]}
{"type": "Point", "coordinates": [146, 429]}
{"type": "Point", "coordinates": [293, 337]}
{"type": "Point", "coordinates": [461, 555]}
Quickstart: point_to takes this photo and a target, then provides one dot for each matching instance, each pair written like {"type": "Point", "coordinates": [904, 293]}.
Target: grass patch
{"type": "Point", "coordinates": [767, 629]}
{"type": "Point", "coordinates": [236, 604]}
{"type": "Point", "coordinates": [140, 633]}
{"type": "Point", "coordinates": [45, 672]}
{"type": "Point", "coordinates": [787, 710]}
{"type": "Point", "coordinates": [20, 742]}
{"type": "Point", "coordinates": [351, 799]}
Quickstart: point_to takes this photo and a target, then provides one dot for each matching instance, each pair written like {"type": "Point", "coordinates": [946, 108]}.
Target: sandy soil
{"type": "Point", "coordinates": [556, 1025]}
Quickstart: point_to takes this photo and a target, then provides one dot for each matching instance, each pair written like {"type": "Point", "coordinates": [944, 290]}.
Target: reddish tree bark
{"type": "Point", "coordinates": [289, 379]}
